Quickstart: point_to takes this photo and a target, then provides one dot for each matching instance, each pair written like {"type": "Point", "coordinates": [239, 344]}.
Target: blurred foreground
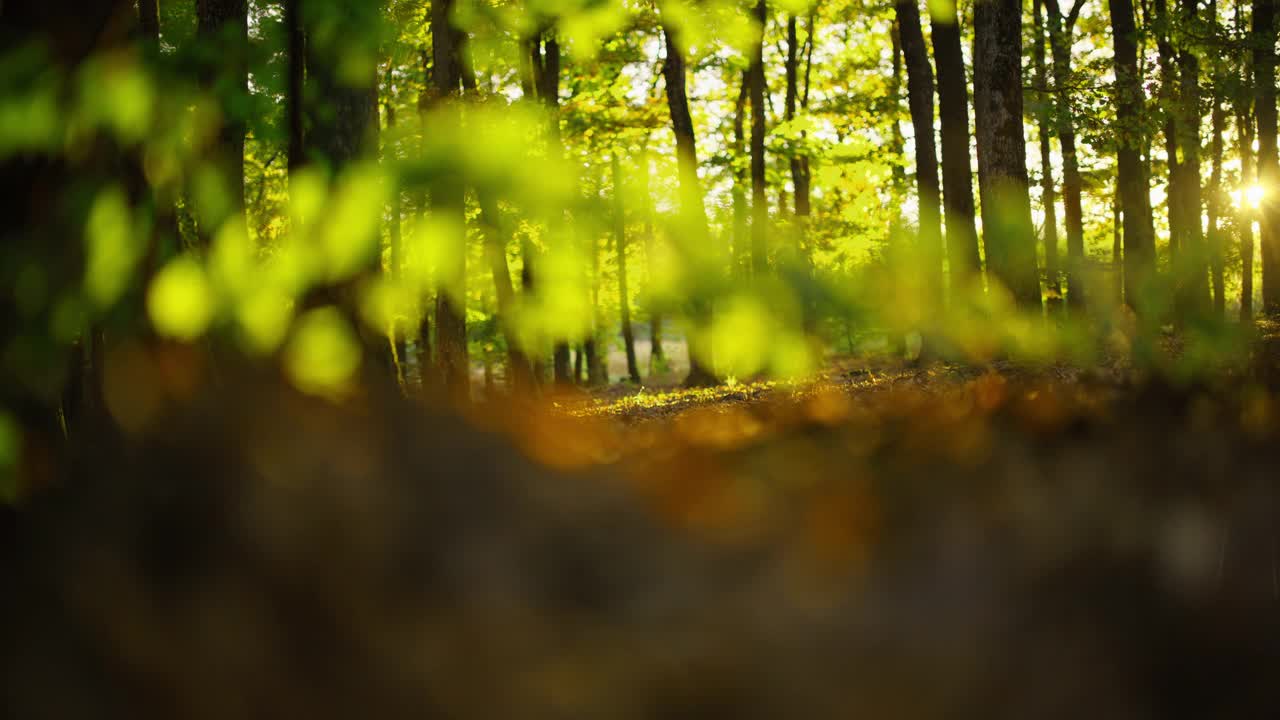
{"type": "Point", "coordinates": [891, 543]}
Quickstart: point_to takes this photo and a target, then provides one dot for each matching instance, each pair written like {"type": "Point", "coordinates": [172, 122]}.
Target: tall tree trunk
{"type": "Point", "coordinates": [399, 334]}
{"type": "Point", "coordinates": [957, 174]}
{"type": "Point", "coordinates": [1135, 201]}
{"type": "Point", "coordinates": [920, 102]}
{"type": "Point", "coordinates": [223, 28]}
{"type": "Point", "coordinates": [897, 142]}
{"type": "Point", "coordinates": [1168, 96]}
{"type": "Point", "coordinates": [1072, 184]}
{"type": "Point", "coordinates": [1117, 253]}
{"type": "Point", "coordinates": [691, 207]}
{"type": "Point", "coordinates": [1002, 151]}
{"type": "Point", "coordinates": [741, 238]}
{"type": "Point", "coordinates": [546, 79]}
{"type": "Point", "coordinates": [1245, 217]}
{"type": "Point", "coordinates": [759, 201]}
{"type": "Point", "coordinates": [657, 355]}
{"type": "Point", "coordinates": [620, 249]}
{"type": "Point", "coordinates": [1044, 114]}
{"type": "Point", "coordinates": [295, 83]}
{"type": "Point", "coordinates": [800, 164]}
{"type": "Point", "coordinates": [1195, 261]}
{"type": "Point", "coordinates": [1215, 203]}
{"type": "Point", "coordinates": [1245, 133]}
{"type": "Point", "coordinates": [149, 19]}
{"type": "Point", "coordinates": [1264, 68]}
{"type": "Point", "coordinates": [519, 372]}
{"type": "Point", "coordinates": [447, 197]}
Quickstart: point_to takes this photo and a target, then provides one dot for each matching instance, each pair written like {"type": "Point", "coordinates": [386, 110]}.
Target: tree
{"type": "Point", "coordinates": [447, 197]}
{"type": "Point", "coordinates": [1194, 283]}
{"type": "Point", "coordinates": [620, 250]}
{"type": "Point", "coordinates": [1002, 150]}
{"type": "Point", "coordinates": [1044, 113]}
{"type": "Point", "coordinates": [691, 208]}
{"type": "Point", "coordinates": [223, 29]}
{"type": "Point", "coordinates": [920, 102]}
{"type": "Point", "coordinates": [1060, 40]}
{"type": "Point", "coordinates": [1264, 69]}
{"type": "Point", "coordinates": [1131, 181]}
{"type": "Point", "coordinates": [759, 203]}
{"type": "Point", "coordinates": [957, 175]}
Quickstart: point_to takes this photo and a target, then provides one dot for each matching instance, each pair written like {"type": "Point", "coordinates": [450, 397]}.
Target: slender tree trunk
{"type": "Point", "coordinates": [295, 83]}
{"type": "Point", "coordinates": [1072, 183]}
{"type": "Point", "coordinates": [223, 27]}
{"type": "Point", "coordinates": [620, 249]}
{"type": "Point", "coordinates": [1135, 202]}
{"type": "Point", "coordinates": [149, 19]}
{"type": "Point", "coordinates": [546, 79]}
{"type": "Point", "coordinates": [759, 201]}
{"type": "Point", "coordinates": [1044, 115]}
{"type": "Point", "coordinates": [741, 238]}
{"type": "Point", "coordinates": [657, 356]}
{"type": "Point", "coordinates": [1264, 68]}
{"type": "Point", "coordinates": [920, 101]}
{"type": "Point", "coordinates": [1117, 254]}
{"type": "Point", "coordinates": [800, 168]}
{"type": "Point", "coordinates": [447, 197]}
{"type": "Point", "coordinates": [691, 207]}
{"type": "Point", "coordinates": [1195, 261]}
{"type": "Point", "coordinates": [519, 372]}
{"type": "Point", "coordinates": [1215, 203]}
{"type": "Point", "coordinates": [957, 174]}
{"type": "Point", "coordinates": [1168, 96]}
{"type": "Point", "coordinates": [1246, 214]}
{"type": "Point", "coordinates": [1002, 150]}
{"type": "Point", "coordinates": [897, 142]}
{"type": "Point", "coordinates": [399, 334]}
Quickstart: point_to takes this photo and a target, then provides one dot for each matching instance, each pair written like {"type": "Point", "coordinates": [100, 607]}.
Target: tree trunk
{"type": "Point", "coordinates": [520, 378]}
{"type": "Point", "coordinates": [1002, 151]}
{"type": "Point", "coordinates": [1167, 98]}
{"type": "Point", "coordinates": [222, 27]}
{"type": "Point", "coordinates": [1245, 217]}
{"type": "Point", "coordinates": [149, 19]}
{"type": "Point", "coordinates": [1044, 114]}
{"type": "Point", "coordinates": [897, 142]}
{"type": "Point", "coordinates": [657, 356]}
{"type": "Point", "coordinates": [800, 168]}
{"type": "Point", "coordinates": [545, 58]}
{"type": "Point", "coordinates": [620, 249]}
{"type": "Point", "coordinates": [1215, 203]}
{"type": "Point", "coordinates": [447, 196]}
{"type": "Point", "coordinates": [1072, 183]}
{"type": "Point", "coordinates": [1245, 134]}
{"type": "Point", "coordinates": [741, 239]}
{"type": "Point", "coordinates": [1135, 202]}
{"type": "Point", "coordinates": [399, 334]}
{"type": "Point", "coordinates": [759, 201]}
{"type": "Point", "coordinates": [294, 84]}
{"type": "Point", "coordinates": [957, 174]}
{"type": "Point", "coordinates": [920, 102]}
{"type": "Point", "coordinates": [691, 207]}
{"type": "Point", "coordinates": [1193, 278]}
{"type": "Point", "coordinates": [1264, 68]}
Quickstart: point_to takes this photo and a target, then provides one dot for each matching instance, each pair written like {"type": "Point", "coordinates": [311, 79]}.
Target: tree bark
{"type": "Point", "coordinates": [1264, 68]}
{"type": "Point", "coordinates": [1215, 204]}
{"type": "Point", "coordinates": [759, 201]}
{"type": "Point", "coordinates": [223, 28]}
{"type": "Point", "coordinates": [1002, 151]}
{"type": "Point", "coordinates": [691, 207]}
{"type": "Point", "coordinates": [1044, 114]}
{"type": "Point", "coordinates": [1167, 97]}
{"type": "Point", "coordinates": [447, 196]}
{"type": "Point", "coordinates": [295, 83]}
{"type": "Point", "coordinates": [741, 225]}
{"type": "Point", "coordinates": [1193, 280]}
{"type": "Point", "coordinates": [1135, 202]}
{"type": "Point", "coordinates": [957, 174]}
{"type": "Point", "coordinates": [920, 102]}
{"type": "Point", "coordinates": [1072, 184]}
{"type": "Point", "coordinates": [620, 249]}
